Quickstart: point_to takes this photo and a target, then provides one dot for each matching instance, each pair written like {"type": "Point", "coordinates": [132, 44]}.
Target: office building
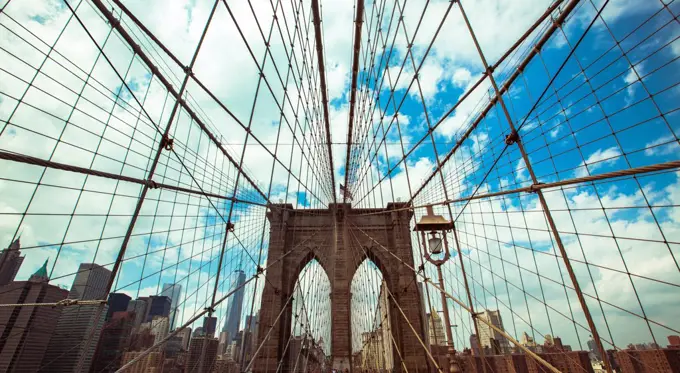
{"type": "Point", "coordinates": [141, 339]}
{"type": "Point", "coordinates": [646, 361]}
{"type": "Point", "coordinates": [159, 328]}
{"type": "Point", "coordinates": [232, 352]}
{"type": "Point", "coordinates": [139, 306]}
{"type": "Point", "coordinates": [114, 341]}
{"type": "Point", "coordinates": [209, 326]}
{"type": "Point", "coordinates": [674, 341]}
{"type": "Point", "coordinates": [195, 350]}
{"type": "Point", "coordinates": [254, 328]}
{"type": "Point", "coordinates": [173, 347]}
{"type": "Point", "coordinates": [423, 306]}
{"type": "Point", "coordinates": [10, 262]}
{"type": "Point", "coordinates": [186, 338]}
{"type": "Point", "coordinates": [118, 302]}
{"type": "Point", "coordinates": [222, 343]}
{"type": "Point", "coordinates": [153, 362]}
{"type": "Point", "coordinates": [488, 337]}
{"type": "Point", "coordinates": [235, 307]}
{"type": "Point", "coordinates": [569, 362]}
{"type": "Point", "coordinates": [174, 292]}
{"type": "Point", "coordinates": [25, 331]}
{"type": "Point", "coordinates": [90, 282]}
{"type": "Point", "coordinates": [435, 327]}
{"type": "Point", "coordinates": [78, 327]}
{"type": "Point", "coordinates": [474, 345]}
{"type": "Point", "coordinates": [373, 350]}
{"type": "Point", "coordinates": [386, 326]}
{"type": "Point", "coordinates": [159, 305]}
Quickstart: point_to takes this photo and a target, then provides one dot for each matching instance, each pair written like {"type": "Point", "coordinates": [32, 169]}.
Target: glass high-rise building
{"type": "Point", "coordinates": [235, 307]}
{"type": "Point", "coordinates": [174, 292]}
{"type": "Point", "coordinates": [118, 302]}
{"type": "Point", "coordinates": [159, 305]}
{"type": "Point", "coordinates": [76, 323]}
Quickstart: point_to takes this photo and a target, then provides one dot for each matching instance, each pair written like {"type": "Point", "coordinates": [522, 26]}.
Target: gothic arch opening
{"type": "Point", "coordinates": [372, 339]}
{"type": "Point", "coordinates": [310, 323]}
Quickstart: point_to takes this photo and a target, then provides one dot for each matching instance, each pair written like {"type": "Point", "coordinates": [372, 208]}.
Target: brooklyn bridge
{"type": "Point", "coordinates": [339, 186]}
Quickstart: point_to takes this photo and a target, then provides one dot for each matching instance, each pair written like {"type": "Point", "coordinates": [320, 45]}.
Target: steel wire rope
{"type": "Point", "coordinates": [466, 94]}
{"type": "Point", "coordinates": [255, 62]}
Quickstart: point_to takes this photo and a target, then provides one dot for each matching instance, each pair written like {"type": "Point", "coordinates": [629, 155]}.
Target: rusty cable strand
{"type": "Point", "coordinates": [87, 171]}
{"type": "Point", "coordinates": [61, 303]}
{"type": "Point", "coordinates": [540, 186]}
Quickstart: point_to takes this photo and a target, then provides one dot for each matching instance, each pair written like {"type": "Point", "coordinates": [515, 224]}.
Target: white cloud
{"type": "Point", "coordinates": [598, 159]}
{"type": "Point", "coordinates": [462, 117]}
{"type": "Point", "coordinates": [662, 146]}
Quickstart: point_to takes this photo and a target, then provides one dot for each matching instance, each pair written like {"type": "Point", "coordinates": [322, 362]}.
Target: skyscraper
{"type": "Point", "coordinates": [490, 338]}
{"type": "Point", "coordinates": [386, 327]}
{"type": "Point", "coordinates": [10, 262]}
{"type": "Point", "coordinates": [76, 323]}
{"type": "Point", "coordinates": [235, 307]}
{"type": "Point", "coordinates": [114, 341]}
{"type": "Point", "coordinates": [594, 351]}
{"type": "Point", "coordinates": [159, 328]}
{"type": "Point", "coordinates": [195, 351]}
{"type": "Point", "coordinates": [436, 329]}
{"type": "Point", "coordinates": [25, 331]}
{"type": "Point", "coordinates": [90, 282]}
{"type": "Point", "coordinates": [209, 326]}
{"type": "Point", "coordinates": [174, 292]}
{"type": "Point", "coordinates": [118, 302]}
{"type": "Point", "coordinates": [139, 307]}
{"type": "Point", "coordinates": [159, 305]}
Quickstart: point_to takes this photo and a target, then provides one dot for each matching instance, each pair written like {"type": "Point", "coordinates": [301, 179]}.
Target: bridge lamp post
{"type": "Point", "coordinates": [436, 227]}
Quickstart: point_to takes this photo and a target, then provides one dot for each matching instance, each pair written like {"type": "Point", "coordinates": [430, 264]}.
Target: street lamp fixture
{"type": "Point", "coordinates": [436, 226]}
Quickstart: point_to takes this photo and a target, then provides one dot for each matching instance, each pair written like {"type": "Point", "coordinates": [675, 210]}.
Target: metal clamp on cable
{"type": "Point", "coordinates": [230, 226]}
{"type": "Point", "coordinates": [67, 302]}
{"type": "Point", "coordinates": [152, 184]}
{"type": "Point", "coordinates": [533, 188]}
{"type": "Point", "coordinates": [209, 309]}
{"type": "Point", "coordinates": [511, 138]}
{"type": "Point", "coordinates": [167, 143]}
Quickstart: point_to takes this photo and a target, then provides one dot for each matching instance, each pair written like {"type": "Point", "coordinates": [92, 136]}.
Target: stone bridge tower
{"type": "Point", "coordinates": [331, 236]}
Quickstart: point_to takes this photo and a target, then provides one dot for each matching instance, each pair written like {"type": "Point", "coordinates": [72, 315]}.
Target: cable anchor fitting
{"type": "Point", "coordinates": [511, 138]}
{"type": "Point", "coordinates": [152, 184]}
{"type": "Point", "coordinates": [67, 302]}
{"type": "Point", "coordinates": [167, 143]}
{"type": "Point", "coordinates": [533, 188]}
{"type": "Point", "coordinates": [230, 226]}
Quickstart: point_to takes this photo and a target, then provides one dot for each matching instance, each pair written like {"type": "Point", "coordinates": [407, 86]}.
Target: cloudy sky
{"type": "Point", "coordinates": [72, 91]}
